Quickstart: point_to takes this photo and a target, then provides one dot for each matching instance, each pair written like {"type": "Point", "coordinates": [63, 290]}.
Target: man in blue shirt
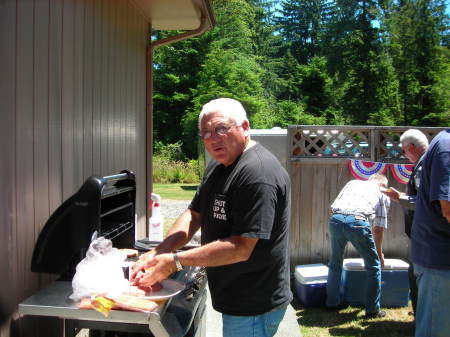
{"type": "Point", "coordinates": [430, 237]}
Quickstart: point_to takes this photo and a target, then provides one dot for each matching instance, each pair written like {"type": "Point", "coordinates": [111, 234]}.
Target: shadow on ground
{"type": "Point", "coordinates": [376, 328]}
{"type": "Point", "coordinates": [349, 322]}
{"type": "Point", "coordinates": [188, 188]}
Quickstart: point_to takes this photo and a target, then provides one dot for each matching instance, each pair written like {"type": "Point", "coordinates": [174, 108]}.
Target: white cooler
{"type": "Point", "coordinates": [311, 283]}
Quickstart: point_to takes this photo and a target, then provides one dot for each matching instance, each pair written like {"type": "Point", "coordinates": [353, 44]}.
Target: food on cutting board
{"type": "Point", "coordinates": [133, 303]}
{"type": "Point", "coordinates": [105, 303]}
{"type": "Point", "coordinates": [153, 288]}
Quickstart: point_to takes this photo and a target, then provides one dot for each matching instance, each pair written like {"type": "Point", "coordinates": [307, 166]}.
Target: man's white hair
{"type": "Point", "coordinates": [415, 137]}
{"type": "Point", "coordinates": [379, 178]}
{"type": "Point", "coordinates": [229, 107]}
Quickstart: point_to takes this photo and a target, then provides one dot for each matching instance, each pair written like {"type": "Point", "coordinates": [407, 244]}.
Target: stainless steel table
{"type": "Point", "coordinates": [54, 301]}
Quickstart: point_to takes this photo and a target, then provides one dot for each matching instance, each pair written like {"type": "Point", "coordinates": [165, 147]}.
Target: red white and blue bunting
{"type": "Point", "coordinates": [364, 169]}
{"type": "Point", "coordinates": [401, 172]}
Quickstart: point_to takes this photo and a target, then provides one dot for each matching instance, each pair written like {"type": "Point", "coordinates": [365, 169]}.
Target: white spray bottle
{"type": "Point", "coordinates": [156, 221]}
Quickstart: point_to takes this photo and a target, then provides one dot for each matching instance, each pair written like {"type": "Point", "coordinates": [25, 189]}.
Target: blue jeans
{"type": "Point", "coordinates": [345, 228]}
{"type": "Point", "coordinates": [265, 325]}
{"type": "Point", "coordinates": [433, 302]}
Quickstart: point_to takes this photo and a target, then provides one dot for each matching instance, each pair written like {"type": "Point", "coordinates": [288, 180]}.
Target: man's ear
{"type": "Point", "coordinates": [246, 127]}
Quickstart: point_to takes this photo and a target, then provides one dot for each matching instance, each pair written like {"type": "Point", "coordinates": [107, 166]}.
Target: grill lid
{"type": "Point", "coordinates": [103, 205]}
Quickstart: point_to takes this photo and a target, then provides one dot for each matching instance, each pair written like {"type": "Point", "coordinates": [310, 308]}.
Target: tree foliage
{"type": "Point", "coordinates": [309, 62]}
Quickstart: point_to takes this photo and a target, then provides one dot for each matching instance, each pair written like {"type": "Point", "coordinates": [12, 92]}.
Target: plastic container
{"type": "Point", "coordinates": [394, 283]}
{"type": "Point", "coordinates": [311, 284]}
{"type": "Point", "coordinates": [156, 221]}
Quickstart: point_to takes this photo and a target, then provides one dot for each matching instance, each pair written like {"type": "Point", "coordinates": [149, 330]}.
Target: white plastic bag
{"type": "Point", "coordinates": [100, 271]}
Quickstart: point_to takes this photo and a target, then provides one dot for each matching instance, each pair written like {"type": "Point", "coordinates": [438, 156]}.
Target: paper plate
{"type": "Point", "coordinates": [169, 289]}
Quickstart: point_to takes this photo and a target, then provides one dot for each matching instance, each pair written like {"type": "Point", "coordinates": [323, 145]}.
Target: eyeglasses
{"type": "Point", "coordinates": [220, 130]}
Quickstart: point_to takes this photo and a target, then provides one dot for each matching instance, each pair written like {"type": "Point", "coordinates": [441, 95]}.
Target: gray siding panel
{"type": "Point", "coordinates": [88, 79]}
{"type": "Point", "coordinates": [8, 151]}
{"type": "Point", "coordinates": [55, 101]}
{"type": "Point", "coordinates": [24, 143]}
{"type": "Point", "coordinates": [72, 88]}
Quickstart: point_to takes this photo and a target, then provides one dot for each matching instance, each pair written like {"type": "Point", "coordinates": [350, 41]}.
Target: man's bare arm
{"type": "Point", "coordinates": [179, 234]}
{"type": "Point", "coordinates": [221, 252]}
{"type": "Point", "coordinates": [378, 235]}
{"type": "Point", "coordinates": [218, 253]}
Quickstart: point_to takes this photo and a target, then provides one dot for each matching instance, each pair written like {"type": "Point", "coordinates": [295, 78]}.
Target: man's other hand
{"type": "Point", "coordinates": [392, 193]}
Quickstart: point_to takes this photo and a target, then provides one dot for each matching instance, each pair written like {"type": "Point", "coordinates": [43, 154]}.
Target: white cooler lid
{"type": "Point", "coordinates": [389, 264]}
{"type": "Point", "coordinates": [311, 273]}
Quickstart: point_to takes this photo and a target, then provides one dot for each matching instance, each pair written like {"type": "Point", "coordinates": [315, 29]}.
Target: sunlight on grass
{"type": "Point", "coordinates": [175, 191]}
{"type": "Point", "coordinates": [317, 322]}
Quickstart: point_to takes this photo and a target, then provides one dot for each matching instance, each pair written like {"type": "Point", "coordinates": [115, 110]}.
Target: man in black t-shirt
{"type": "Point", "coordinates": [243, 209]}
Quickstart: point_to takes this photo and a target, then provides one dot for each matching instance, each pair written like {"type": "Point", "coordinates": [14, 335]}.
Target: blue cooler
{"type": "Point", "coordinates": [311, 284]}
{"type": "Point", "coordinates": [394, 283]}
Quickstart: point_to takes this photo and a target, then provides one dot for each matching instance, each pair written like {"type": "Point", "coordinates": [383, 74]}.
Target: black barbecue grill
{"type": "Point", "coordinates": [101, 207]}
{"type": "Point", "coordinates": [106, 207]}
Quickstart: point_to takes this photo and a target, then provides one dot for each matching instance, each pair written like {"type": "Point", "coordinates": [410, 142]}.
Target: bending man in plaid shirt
{"type": "Point", "coordinates": [359, 215]}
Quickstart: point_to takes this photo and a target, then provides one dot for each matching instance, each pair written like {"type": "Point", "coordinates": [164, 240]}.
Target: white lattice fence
{"type": "Point", "coordinates": [362, 142]}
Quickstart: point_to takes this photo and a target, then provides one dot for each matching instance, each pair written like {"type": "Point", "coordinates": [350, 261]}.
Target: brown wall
{"type": "Point", "coordinates": [72, 93]}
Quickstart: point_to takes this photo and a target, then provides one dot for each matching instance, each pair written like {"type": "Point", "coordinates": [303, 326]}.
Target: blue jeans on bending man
{"type": "Point", "coordinates": [344, 229]}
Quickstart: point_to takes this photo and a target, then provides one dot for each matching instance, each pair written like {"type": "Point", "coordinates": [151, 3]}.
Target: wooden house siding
{"type": "Point", "coordinates": [73, 104]}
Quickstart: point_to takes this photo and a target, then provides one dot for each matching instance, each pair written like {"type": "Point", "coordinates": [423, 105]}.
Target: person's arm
{"type": "Point", "coordinates": [406, 201]}
{"type": "Point", "coordinates": [445, 208]}
{"type": "Point", "coordinates": [218, 253]}
{"type": "Point", "coordinates": [392, 193]}
{"type": "Point", "coordinates": [378, 235]}
{"type": "Point", "coordinates": [379, 224]}
{"type": "Point", "coordinates": [179, 234]}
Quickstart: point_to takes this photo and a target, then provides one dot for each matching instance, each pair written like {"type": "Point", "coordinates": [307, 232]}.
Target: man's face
{"type": "Point", "coordinates": [410, 152]}
{"type": "Point", "coordinates": [223, 139]}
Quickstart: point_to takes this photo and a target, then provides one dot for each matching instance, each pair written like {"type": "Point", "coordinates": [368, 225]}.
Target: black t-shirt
{"type": "Point", "coordinates": [250, 198]}
{"type": "Point", "coordinates": [411, 190]}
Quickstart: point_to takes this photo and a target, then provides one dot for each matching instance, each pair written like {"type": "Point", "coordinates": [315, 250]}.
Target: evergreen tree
{"type": "Point", "coordinates": [301, 24]}
{"type": "Point", "coordinates": [230, 69]}
{"type": "Point", "coordinates": [382, 62]}
{"type": "Point", "coordinates": [360, 65]}
{"type": "Point", "coordinates": [175, 73]}
{"type": "Point", "coordinates": [417, 31]}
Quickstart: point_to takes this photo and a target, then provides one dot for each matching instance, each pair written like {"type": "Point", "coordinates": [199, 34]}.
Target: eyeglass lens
{"type": "Point", "coordinates": [220, 130]}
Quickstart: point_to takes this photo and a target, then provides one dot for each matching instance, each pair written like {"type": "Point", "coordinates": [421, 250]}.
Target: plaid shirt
{"type": "Point", "coordinates": [360, 197]}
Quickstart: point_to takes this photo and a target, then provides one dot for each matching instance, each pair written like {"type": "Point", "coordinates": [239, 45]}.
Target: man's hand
{"type": "Point", "coordinates": [157, 269]}
{"type": "Point", "coordinates": [144, 261]}
{"type": "Point", "coordinates": [381, 256]}
{"type": "Point", "coordinates": [392, 193]}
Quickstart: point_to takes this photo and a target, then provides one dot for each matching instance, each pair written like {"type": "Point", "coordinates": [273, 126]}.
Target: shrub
{"type": "Point", "coordinates": [171, 152]}
{"type": "Point", "coordinates": [168, 171]}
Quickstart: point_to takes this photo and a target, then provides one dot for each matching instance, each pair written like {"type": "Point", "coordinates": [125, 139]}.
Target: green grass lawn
{"type": "Point", "coordinates": [175, 191]}
{"type": "Point", "coordinates": [349, 322]}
